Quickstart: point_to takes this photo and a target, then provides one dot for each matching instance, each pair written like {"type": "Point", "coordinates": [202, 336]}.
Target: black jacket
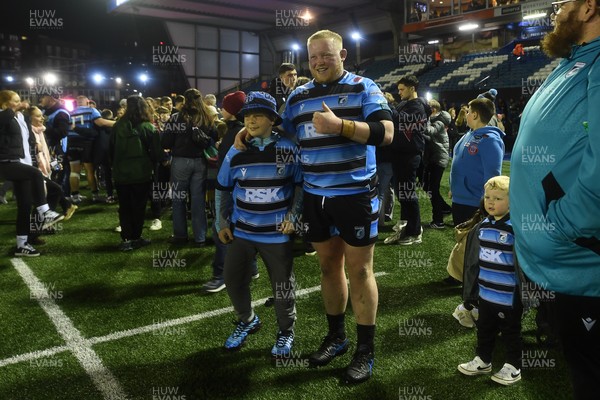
{"type": "Point", "coordinates": [11, 139]}
{"type": "Point", "coordinates": [410, 122]}
{"type": "Point", "coordinates": [179, 139]}
{"type": "Point", "coordinates": [59, 128]}
{"type": "Point", "coordinates": [233, 127]}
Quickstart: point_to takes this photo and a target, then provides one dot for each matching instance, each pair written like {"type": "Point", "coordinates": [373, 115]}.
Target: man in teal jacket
{"type": "Point", "coordinates": [555, 189]}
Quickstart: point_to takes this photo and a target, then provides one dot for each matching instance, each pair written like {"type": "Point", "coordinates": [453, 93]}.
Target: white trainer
{"type": "Point", "coordinates": [507, 376]}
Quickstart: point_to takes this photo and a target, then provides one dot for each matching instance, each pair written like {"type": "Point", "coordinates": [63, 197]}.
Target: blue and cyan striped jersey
{"type": "Point", "coordinates": [333, 165]}
{"type": "Point", "coordinates": [497, 277]}
{"type": "Point", "coordinates": [262, 179]}
{"type": "Point", "coordinates": [83, 117]}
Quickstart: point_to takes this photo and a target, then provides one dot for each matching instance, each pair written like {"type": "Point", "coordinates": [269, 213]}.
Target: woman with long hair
{"type": "Point", "coordinates": [134, 148]}
{"type": "Point", "coordinates": [188, 166]}
{"type": "Point", "coordinates": [15, 166]}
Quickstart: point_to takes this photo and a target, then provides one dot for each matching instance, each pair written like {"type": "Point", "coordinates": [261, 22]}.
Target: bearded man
{"type": "Point", "coordinates": [555, 190]}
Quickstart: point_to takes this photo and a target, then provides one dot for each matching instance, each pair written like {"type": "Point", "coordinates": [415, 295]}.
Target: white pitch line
{"type": "Point", "coordinates": [75, 342]}
{"type": "Point", "coordinates": [191, 318]}
{"type": "Point", "coordinates": [34, 355]}
{"type": "Point", "coordinates": [154, 327]}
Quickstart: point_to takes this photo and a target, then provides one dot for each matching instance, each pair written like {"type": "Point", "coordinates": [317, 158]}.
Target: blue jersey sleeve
{"type": "Point", "coordinates": [225, 177]}
{"type": "Point", "coordinates": [287, 117]}
{"type": "Point", "coordinates": [95, 114]}
{"type": "Point", "coordinates": [373, 99]}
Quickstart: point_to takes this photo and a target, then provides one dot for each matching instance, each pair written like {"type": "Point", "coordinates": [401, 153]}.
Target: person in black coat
{"type": "Point", "coordinates": [15, 165]}
{"type": "Point", "coordinates": [410, 122]}
{"type": "Point", "coordinates": [188, 166]}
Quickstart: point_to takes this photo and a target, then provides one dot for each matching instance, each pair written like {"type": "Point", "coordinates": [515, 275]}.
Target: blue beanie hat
{"type": "Point", "coordinates": [261, 101]}
{"type": "Point", "coordinates": [490, 95]}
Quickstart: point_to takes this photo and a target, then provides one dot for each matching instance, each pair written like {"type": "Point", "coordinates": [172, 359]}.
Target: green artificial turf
{"type": "Point", "coordinates": [102, 291]}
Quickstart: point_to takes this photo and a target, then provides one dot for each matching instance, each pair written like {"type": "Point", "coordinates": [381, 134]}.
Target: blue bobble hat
{"type": "Point", "coordinates": [261, 101]}
{"type": "Point", "coordinates": [490, 95]}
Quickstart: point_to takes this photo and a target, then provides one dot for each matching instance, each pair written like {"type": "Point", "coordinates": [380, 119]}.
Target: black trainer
{"type": "Point", "coordinates": [361, 366]}
{"type": "Point", "coordinates": [331, 347]}
{"type": "Point", "coordinates": [26, 251]}
{"type": "Point", "coordinates": [139, 243]}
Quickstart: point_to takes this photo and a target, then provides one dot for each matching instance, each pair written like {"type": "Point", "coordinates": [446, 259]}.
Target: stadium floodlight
{"type": "Point", "coordinates": [307, 17]}
{"type": "Point", "coordinates": [70, 104]}
{"type": "Point", "coordinates": [468, 27]}
{"type": "Point", "coordinates": [295, 47]}
{"type": "Point", "coordinates": [535, 16]}
{"type": "Point", "coordinates": [29, 81]}
{"type": "Point", "coordinates": [98, 78]}
{"type": "Point", "coordinates": [118, 80]}
{"type": "Point", "coordinates": [433, 42]}
{"type": "Point", "coordinates": [50, 78]}
{"type": "Point", "coordinates": [428, 96]}
{"type": "Point", "coordinates": [143, 78]}
{"type": "Point", "coordinates": [356, 37]}
{"type": "Point", "coordinates": [9, 78]}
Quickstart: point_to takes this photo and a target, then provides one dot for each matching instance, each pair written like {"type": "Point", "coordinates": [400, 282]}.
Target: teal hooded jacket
{"type": "Point", "coordinates": [555, 178]}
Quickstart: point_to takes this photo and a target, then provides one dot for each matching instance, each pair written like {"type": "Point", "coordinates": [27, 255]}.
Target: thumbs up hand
{"type": "Point", "coordinates": [326, 121]}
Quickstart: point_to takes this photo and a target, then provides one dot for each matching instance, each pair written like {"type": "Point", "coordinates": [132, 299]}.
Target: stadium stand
{"type": "Point", "coordinates": [500, 70]}
{"type": "Point", "coordinates": [388, 80]}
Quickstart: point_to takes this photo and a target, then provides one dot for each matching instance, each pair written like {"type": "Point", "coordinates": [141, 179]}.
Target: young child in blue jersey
{"type": "Point", "coordinates": [500, 307]}
{"type": "Point", "coordinates": [262, 187]}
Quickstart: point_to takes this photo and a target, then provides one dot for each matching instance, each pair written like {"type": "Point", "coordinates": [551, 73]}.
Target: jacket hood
{"type": "Point", "coordinates": [418, 100]}
{"type": "Point", "coordinates": [443, 116]}
{"type": "Point", "coordinates": [124, 128]}
{"type": "Point", "coordinates": [490, 131]}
